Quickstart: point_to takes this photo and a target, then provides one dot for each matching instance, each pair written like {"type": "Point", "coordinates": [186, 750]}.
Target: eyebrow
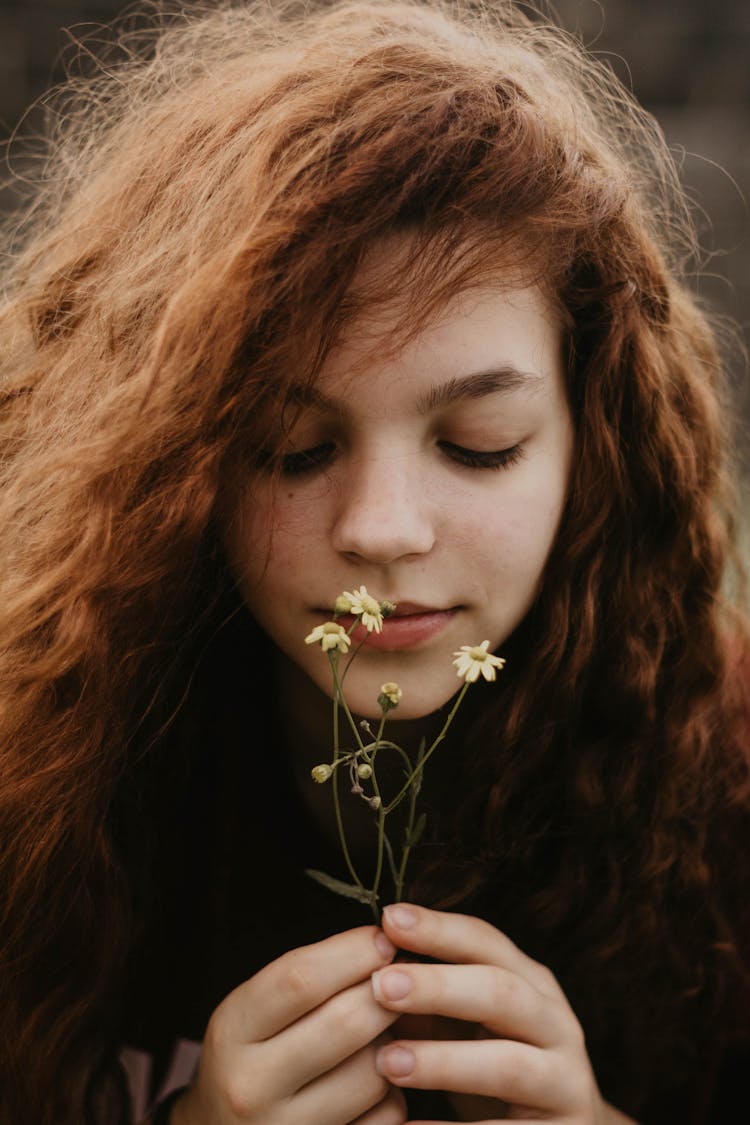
{"type": "Point", "coordinates": [495, 380]}
{"type": "Point", "coordinates": [478, 384]}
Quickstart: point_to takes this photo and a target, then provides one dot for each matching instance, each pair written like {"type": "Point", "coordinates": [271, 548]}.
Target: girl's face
{"type": "Point", "coordinates": [434, 475]}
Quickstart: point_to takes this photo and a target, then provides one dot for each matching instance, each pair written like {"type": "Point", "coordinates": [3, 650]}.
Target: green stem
{"type": "Point", "coordinates": [339, 695]}
{"type": "Point", "coordinates": [399, 881]}
{"type": "Point", "coordinates": [336, 756]}
{"type": "Point", "coordinates": [418, 768]}
{"type": "Point", "coordinates": [386, 745]}
{"type": "Point", "coordinates": [381, 839]}
{"type": "Point", "coordinates": [391, 859]}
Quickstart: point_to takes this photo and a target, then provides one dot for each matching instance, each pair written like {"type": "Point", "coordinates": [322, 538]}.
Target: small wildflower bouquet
{"type": "Point", "coordinates": [359, 763]}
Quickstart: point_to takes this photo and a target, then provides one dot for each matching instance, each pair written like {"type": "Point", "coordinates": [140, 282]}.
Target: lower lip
{"type": "Point", "coordinates": [401, 632]}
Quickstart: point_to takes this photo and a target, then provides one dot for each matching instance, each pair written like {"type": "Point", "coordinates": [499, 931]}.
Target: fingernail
{"type": "Point", "coordinates": [401, 915]}
{"type": "Point", "coordinates": [384, 947]}
{"type": "Point", "coordinates": [394, 1062]}
{"type": "Point", "coordinates": [390, 984]}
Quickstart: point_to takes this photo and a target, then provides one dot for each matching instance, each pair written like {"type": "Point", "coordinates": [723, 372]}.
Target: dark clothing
{"type": "Point", "coordinates": [229, 894]}
{"type": "Point", "coordinates": [229, 890]}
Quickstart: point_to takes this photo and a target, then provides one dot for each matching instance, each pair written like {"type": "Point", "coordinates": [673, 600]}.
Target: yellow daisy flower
{"type": "Point", "coordinates": [363, 605]}
{"type": "Point", "coordinates": [330, 635]}
{"type": "Point", "coordinates": [473, 660]}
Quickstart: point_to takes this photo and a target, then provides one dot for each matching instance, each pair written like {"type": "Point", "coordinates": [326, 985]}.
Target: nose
{"type": "Point", "coordinates": [383, 511]}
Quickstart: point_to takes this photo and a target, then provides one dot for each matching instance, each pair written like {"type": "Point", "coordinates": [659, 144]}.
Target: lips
{"type": "Point", "coordinates": [411, 609]}
{"type": "Point", "coordinates": [410, 626]}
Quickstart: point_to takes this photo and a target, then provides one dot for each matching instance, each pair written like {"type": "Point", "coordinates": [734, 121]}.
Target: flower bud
{"type": "Point", "coordinates": [342, 604]}
{"type": "Point", "coordinates": [390, 696]}
{"type": "Point", "coordinates": [374, 802]}
{"type": "Point", "coordinates": [364, 770]}
{"type": "Point", "coordinates": [321, 773]}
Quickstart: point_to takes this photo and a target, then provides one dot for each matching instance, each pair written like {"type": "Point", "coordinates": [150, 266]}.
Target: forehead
{"type": "Point", "coordinates": [472, 331]}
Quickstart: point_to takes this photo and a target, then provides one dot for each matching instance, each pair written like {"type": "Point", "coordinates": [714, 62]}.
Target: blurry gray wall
{"type": "Point", "coordinates": [687, 61]}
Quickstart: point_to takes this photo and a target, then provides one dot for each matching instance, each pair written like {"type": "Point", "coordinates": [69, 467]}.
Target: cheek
{"type": "Point", "coordinates": [512, 535]}
{"type": "Point", "coordinates": [268, 535]}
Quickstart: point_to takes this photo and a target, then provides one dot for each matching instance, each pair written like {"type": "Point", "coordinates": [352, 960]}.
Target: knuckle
{"type": "Point", "coordinates": [354, 1015]}
{"type": "Point", "coordinates": [238, 1095]}
{"type": "Point", "coordinates": [298, 978]}
{"type": "Point", "coordinates": [547, 981]}
{"type": "Point", "coordinates": [525, 1066]}
{"type": "Point", "coordinates": [506, 990]}
{"type": "Point", "coordinates": [219, 1033]}
{"type": "Point", "coordinates": [577, 1034]}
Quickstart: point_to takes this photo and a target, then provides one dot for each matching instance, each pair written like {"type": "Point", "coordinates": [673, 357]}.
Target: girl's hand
{"type": "Point", "coordinates": [520, 1051]}
{"type": "Point", "coordinates": [294, 1045]}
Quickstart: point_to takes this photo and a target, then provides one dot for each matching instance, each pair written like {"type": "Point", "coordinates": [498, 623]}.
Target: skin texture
{"type": "Point", "coordinates": [306, 1041]}
{"type": "Point", "coordinates": [497, 1028]}
{"type": "Point", "coordinates": [296, 1044]}
{"type": "Point", "coordinates": [388, 503]}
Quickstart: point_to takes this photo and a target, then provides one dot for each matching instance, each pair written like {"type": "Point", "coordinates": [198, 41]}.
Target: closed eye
{"type": "Point", "coordinates": [306, 460]}
{"type": "Point", "coordinates": [478, 459]}
{"type": "Point", "coordinates": [316, 457]}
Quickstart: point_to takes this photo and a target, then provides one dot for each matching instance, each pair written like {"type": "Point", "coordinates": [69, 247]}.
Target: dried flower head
{"type": "Point", "coordinates": [473, 660]}
{"type": "Point", "coordinates": [390, 696]}
{"type": "Point", "coordinates": [321, 773]}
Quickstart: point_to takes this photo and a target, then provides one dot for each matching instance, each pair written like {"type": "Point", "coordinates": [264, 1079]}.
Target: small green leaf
{"type": "Point", "coordinates": [348, 890]}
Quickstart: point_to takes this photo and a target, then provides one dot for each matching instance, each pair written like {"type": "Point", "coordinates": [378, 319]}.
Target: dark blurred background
{"type": "Point", "coordinates": [687, 61]}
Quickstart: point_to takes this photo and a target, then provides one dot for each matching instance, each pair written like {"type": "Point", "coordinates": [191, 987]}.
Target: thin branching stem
{"type": "Point", "coordinates": [336, 758]}
{"type": "Point", "coordinates": [408, 839]}
{"type": "Point", "coordinates": [366, 754]}
{"type": "Point", "coordinates": [420, 766]}
{"type": "Point", "coordinates": [339, 695]}
{"type": "Point", "coordinates": [381, 838]}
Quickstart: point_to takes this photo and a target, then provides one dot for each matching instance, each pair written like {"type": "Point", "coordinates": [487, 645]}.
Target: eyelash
{"type": "Point", "coordinates": [308, 460]}
{"type": "Point", "coordinates": [476, 459]}
{"type": "Point", "coordinates": [297, 464]}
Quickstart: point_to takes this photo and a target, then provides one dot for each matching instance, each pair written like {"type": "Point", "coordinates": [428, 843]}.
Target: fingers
{"type": "Point", "coordinates": [480, 983]}
{"type": "Point", "coordinates": [503, 1002]}
{"type": "Point", "coordinates": [391, 1111]}
{"type": "Point", "coordinates": [462, 938]}
{"type": "Point", "coordinates": [351, 1090]}
{"type": "Point", "coordinates": [325, 1037]}
{"type": "Point", "coordinates": [298, 982]}
{"type": "Point", "coordinates": [495, 1068]}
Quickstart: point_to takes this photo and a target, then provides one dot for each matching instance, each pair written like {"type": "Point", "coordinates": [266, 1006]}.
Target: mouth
{"type": "Point", "coordinates": [413, 609]}
{"type": "Point", "coordinates": [410, 626]}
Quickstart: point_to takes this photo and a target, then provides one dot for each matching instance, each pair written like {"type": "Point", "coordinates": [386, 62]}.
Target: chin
{"type": "Point", "coordinates": [412, 707]}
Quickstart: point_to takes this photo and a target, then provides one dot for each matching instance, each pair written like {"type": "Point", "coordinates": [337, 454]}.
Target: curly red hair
{"type": "Point", "coordinates": [209, 195]}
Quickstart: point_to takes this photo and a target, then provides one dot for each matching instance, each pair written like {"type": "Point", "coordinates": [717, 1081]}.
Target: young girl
{"type": "Point", "coordinates": [387, 295]}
